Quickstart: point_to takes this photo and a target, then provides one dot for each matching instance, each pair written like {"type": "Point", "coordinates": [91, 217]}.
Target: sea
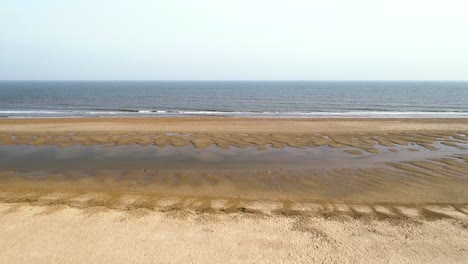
{"type": "Point", "coordinates": [299, 99]}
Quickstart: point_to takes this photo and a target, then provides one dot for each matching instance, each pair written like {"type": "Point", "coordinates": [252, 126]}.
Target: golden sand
{"type": "Point", "coordinates": [63, 234]}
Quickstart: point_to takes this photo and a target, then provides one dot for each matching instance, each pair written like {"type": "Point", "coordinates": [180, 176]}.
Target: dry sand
{"type": "Point", "coordinates": [36, 234]}
{"type": "Point", "coordinates": [410, 212]}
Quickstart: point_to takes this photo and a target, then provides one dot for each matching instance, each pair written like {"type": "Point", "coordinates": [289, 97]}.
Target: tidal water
{"type": "Point", "coordinates": [384, 99]}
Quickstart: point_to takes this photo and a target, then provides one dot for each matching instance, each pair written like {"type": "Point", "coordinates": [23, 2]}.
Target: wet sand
{"type": "Point", "coordinates": [364, 134]}
{"type": "Point", "coordinates": [428, 181]}
{"type": "Point", "coordinates": [393, 191]}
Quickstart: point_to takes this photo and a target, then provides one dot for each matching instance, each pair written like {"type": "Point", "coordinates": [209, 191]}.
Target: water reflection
{"type": "Point", "coordinates": [136, 157]}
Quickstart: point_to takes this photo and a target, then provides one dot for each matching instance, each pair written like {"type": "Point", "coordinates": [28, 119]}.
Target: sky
{"type": "Point", "coordinates": [233, 40]}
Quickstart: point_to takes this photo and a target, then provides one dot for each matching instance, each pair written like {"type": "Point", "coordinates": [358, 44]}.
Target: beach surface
{"type": "Point", "coordinates": [308, 191]}
{"type": "Point", "coordinates": [233, 124]}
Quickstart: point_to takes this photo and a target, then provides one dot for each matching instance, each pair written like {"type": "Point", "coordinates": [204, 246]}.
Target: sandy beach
{"type": "Point", "coordinates": [372, 191]}
{"type": "Point", "coordinates": [234, 132]}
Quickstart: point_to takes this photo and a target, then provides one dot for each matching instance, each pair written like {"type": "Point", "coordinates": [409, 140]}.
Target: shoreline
{"type": "Point", "coordinates": [318, 115]}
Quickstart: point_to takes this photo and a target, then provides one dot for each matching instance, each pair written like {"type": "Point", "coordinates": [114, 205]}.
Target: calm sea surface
{"type": "Point", "coordinates": [233, 98]}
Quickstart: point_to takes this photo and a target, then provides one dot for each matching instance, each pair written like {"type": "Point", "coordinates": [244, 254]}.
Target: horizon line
{"type": "Point", "coordinates": [231, 80]}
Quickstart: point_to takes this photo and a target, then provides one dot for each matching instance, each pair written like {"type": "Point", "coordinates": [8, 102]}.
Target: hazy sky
{"type": "Point", "coordinates": [251, 39]}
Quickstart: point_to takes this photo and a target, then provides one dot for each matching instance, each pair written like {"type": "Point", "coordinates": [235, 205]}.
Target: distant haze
{"type": "Point", "coordinates": [234, 40]}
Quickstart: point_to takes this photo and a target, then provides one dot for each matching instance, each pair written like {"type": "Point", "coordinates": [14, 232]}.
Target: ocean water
{"type": "Point", "coordinates": [384, 99]}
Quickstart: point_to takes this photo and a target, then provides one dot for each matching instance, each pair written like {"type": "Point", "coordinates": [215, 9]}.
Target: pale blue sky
{"type": "Point", "coordinates": [242, 39]}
